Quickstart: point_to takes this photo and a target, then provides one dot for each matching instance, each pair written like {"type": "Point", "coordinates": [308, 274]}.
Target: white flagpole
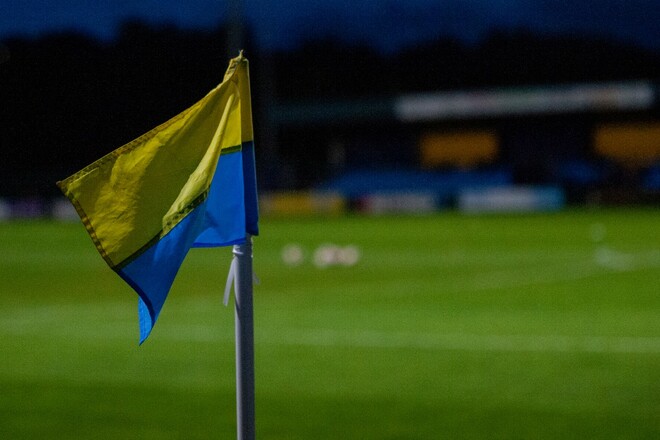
{"type": "Point", "coordinates": [244, 341]}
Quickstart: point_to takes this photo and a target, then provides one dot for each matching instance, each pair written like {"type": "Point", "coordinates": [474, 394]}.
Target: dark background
{"type": "Point", "coordinates": [67, 97]}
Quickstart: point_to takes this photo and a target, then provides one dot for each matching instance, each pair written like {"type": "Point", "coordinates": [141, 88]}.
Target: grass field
{"type": "Point", "coordinates": [449, 327]}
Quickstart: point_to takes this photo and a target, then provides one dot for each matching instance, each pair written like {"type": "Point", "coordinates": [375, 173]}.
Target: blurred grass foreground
{"type": "Point", "coordinates": [447, 326]}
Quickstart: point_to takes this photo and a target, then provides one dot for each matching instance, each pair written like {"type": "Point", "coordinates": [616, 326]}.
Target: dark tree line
{"type": "Point", "coordinates": [67, 98]}
{"type": "Point", "coordinates": [505, 58]}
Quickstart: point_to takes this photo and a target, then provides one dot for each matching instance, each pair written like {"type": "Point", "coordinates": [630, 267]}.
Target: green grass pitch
{"type": "Point", "coordinates": [450, 327]}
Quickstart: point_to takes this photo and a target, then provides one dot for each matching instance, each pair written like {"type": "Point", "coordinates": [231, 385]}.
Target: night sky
{"type": "Point", "coordinates": [386, 24]}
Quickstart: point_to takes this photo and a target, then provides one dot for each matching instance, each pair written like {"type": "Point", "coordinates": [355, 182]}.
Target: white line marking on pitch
{"type": "Point", "coordinates": [374, 339]}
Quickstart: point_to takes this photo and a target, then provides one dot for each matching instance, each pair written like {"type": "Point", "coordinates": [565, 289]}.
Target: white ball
{"type": "Point", "coordinates": [326, 256]}
{"type": "Point", "coordinates": [349, 255]}
{"type": "Point", "coordinates": [293, 255]}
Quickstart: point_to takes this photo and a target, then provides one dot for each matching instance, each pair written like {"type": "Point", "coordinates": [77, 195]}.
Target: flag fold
{"type": "Point", "coordinates": [189, 182]}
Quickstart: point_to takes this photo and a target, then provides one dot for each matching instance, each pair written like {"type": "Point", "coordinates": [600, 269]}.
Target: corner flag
{"type": "Point", "coordinates": [189, 182]}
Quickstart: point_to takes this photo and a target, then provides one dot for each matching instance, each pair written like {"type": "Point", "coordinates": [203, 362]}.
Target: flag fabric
{"type": "Point", "coordinates": [189, 182]}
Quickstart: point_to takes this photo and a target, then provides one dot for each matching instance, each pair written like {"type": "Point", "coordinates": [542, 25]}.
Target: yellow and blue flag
{"type": "Point", "coordinates": [189, 182]}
